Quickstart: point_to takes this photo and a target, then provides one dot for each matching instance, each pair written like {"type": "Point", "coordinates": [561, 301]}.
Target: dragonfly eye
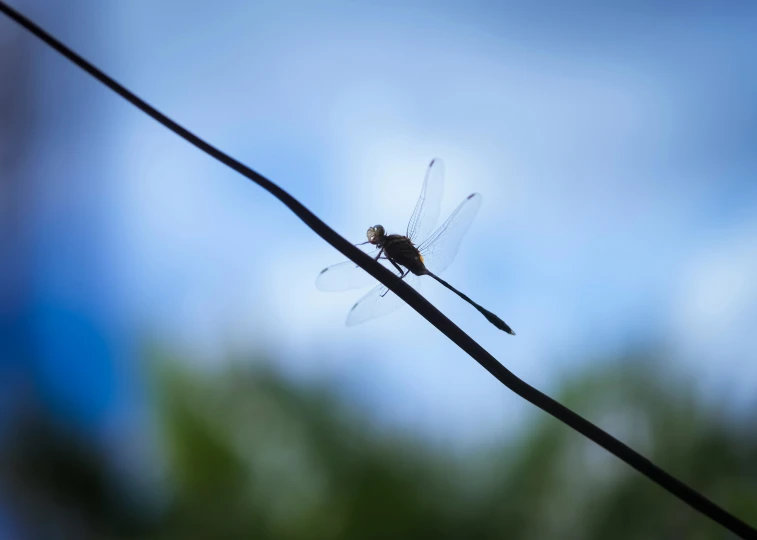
{"type": "Point", "coordinates": [375, 234]}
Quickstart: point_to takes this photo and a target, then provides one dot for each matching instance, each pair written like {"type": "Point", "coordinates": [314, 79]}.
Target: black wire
{"type": "Point", "coordinates": [415, 300]}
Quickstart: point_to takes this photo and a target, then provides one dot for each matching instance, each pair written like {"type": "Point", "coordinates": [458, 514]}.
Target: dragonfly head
{"type": "Point", "coordinates": [375, 234]}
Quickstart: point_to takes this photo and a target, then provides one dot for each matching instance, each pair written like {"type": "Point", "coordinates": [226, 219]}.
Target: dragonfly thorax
{"type": "Point", "coordinates": [376, 234]}
{"type": "Point", "coordinates": [401, 250]}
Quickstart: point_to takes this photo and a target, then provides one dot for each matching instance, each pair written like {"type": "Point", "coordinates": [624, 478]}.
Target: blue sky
{"type": "Point", "coordinates": [613, 145]}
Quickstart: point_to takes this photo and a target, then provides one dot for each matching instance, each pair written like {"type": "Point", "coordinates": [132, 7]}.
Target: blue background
{"type": "Point", "coordinates": [614, 145]}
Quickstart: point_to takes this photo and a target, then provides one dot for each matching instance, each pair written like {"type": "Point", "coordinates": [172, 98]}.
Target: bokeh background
{"type": "Point", "coordinates": [168, 369]}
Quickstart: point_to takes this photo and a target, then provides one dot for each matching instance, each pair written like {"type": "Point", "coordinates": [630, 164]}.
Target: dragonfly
{"type": "Point", "coordinates": [422, 251]}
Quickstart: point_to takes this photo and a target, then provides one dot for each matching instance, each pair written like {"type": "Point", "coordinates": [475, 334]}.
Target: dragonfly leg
{"type": "Point", "coordinates": [403, 273]}
{"type": "Point", "coordinates": [401, 277]}
{"type": "Point", "coordinates": [397, 266]}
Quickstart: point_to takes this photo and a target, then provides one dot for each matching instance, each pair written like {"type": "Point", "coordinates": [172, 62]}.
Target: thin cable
{"type": "Point", "coordinates": [415, 300]}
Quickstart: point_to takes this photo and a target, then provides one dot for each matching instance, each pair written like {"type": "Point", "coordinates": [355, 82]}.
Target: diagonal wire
{"type": "Point", "coordinates": [682, 491]}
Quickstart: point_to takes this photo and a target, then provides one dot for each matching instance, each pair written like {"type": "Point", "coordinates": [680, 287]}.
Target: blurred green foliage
{"type": "Point", "coordinates": [249, 454]}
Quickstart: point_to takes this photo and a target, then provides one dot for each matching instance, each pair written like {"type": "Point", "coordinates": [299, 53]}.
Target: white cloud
{"type": "Point", "coordinates": [714, 316]}
{"type": "Point", "coordinates": [573, 229]}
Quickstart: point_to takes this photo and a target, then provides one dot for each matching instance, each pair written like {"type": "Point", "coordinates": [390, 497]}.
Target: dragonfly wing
{"type": "Point", "coordinates": [379, 301]}
{"type": "Point", "coordinates": [426, 213]}
{"type": "Point", "coordinates": [345, 276]}
{"type": "Point", "coordinates": [440, 249]}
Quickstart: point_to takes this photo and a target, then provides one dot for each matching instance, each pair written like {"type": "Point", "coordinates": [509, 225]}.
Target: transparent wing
{"type": "Point", "coordinates": [440, 249]}
{"type": "Point", "coordinates": [426, 213]}
{"type": "Point", "coordinates": [345, 276]}
{"type": "Point", "coordinates": [379, 301]}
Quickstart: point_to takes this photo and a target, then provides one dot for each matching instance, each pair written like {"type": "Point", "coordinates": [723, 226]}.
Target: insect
{"type": "Point", "coordinates": [422, 251]}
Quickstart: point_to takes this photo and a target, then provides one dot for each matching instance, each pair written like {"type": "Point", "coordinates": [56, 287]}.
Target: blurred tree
{"type": "Point", "coordinates": [251, 455]}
